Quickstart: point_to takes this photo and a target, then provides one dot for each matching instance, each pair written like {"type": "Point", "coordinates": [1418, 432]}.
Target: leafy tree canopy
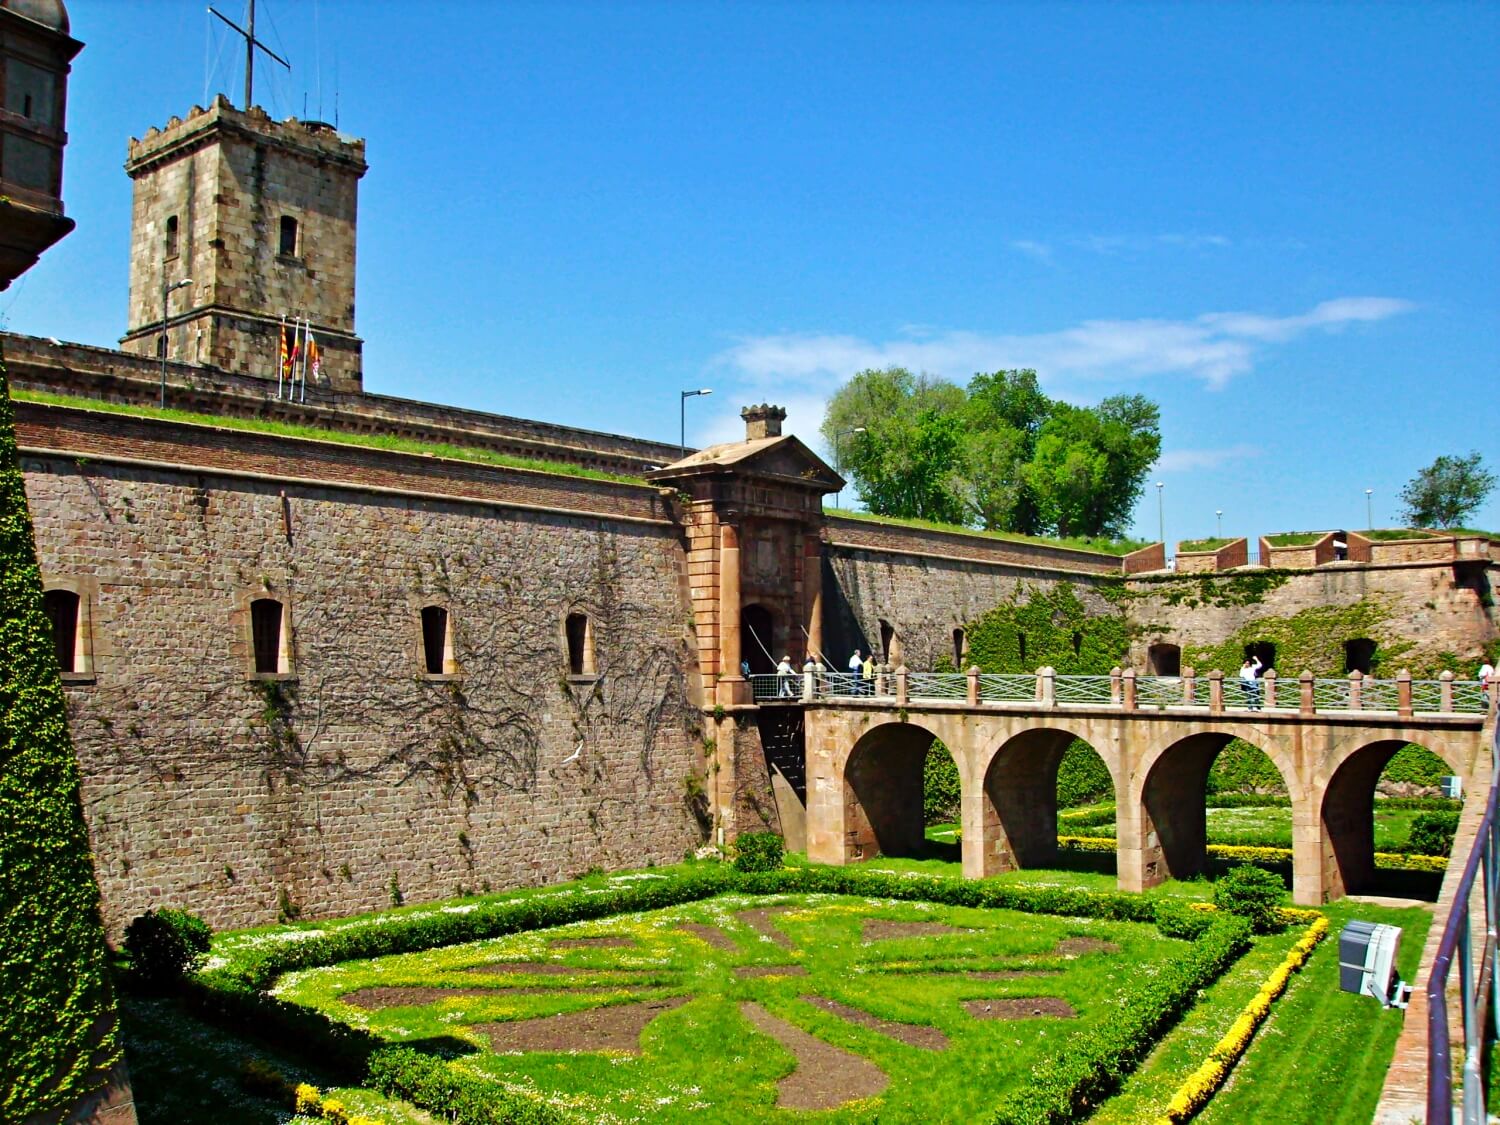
{"type": "Point", "coordinates": [1447, 492]}
{"type": "Point", "coordinates": [1000, 455]}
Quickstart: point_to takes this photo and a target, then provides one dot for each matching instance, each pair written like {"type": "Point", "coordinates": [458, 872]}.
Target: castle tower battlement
{"type": "Point", "coordinates": [261, 215]}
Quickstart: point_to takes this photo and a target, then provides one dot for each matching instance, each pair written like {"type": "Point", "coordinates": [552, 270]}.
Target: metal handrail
{"type": "Point", "coordinates": [1428, 697]}
{"type": "Point", "coordinates": [1477, 989]}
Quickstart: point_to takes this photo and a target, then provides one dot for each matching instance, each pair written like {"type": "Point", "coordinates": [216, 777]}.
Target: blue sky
{"type": "Point", "coordinates": [1280, 222]}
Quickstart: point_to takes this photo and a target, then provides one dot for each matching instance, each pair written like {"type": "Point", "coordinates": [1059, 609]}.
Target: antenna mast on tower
{"type": "Point", "coordinates": [250, 44]}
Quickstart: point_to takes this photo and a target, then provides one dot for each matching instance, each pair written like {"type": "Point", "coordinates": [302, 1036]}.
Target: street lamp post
{"type": "Point", "coordinates": [167, 291]}
{"type": "Point", "coordinates": [838, 458]}
{"type": "Point", "coordinates": [1161, 518]}
{"type": "Point", "coordinates": [682, 417]}
{"type": "Point", "coordinates": [1369, 510]}
{"type": "Point", "coordinates": [1219, 523]}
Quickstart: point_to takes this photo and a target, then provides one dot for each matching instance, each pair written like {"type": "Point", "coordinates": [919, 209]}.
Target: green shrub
{"type": "Point", "coordinates": [1432, 833]}
{"type": "Point", "coordinates": [1253, 894]}
{"type": "Point", "coordinates": [1082, 777]}
{"type": "Point", "coordinates": [165, 945]}
{"type": "Point", "coordinates": [1177, 919]}
{"type": "Point", "coordinates": [401, 1072]}
{"type": "Point", "coordinates": [940, 786]}
{"type": "Point", "coordinates": [759, 851]}
{"type": "Point", "coordinates": [1244, 768]}
{"type": "Point", "coordinates": [1412, 765]}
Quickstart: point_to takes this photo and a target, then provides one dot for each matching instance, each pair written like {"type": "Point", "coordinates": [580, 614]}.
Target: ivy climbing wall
{"type": "Point", "coordinates": [59, 1045]}
{"type": "Point", "coordinates": [1423, 617]}
{"type": "Point", "coordinates": [353, 779]}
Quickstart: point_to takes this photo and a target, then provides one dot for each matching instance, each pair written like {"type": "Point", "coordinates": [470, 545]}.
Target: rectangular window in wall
{"type": "Point", "coordinates": [265, 633]}
{"type": "Point", "coordinates": [61, 607]}
{"type": "Point", "coordinates": [434, 638]}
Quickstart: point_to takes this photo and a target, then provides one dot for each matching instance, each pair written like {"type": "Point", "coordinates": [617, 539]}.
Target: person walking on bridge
{"type": "Point", "coordinates": [1249, 683]}
{"type": "Point", "coordinates": [856, 664]}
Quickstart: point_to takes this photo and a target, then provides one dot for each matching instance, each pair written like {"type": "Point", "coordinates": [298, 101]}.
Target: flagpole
{"type": "Point", "coordinates": [281, 356]}
{"type": "Point", "coordinates": [306, 328]}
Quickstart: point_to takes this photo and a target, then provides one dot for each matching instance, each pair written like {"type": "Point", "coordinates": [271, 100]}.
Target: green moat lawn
{"type": "Point", "coordinates": [716, 1010]}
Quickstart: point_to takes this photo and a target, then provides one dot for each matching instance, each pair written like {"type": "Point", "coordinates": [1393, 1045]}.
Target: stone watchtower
{"type": "Point", "coordinates": [261, 215]}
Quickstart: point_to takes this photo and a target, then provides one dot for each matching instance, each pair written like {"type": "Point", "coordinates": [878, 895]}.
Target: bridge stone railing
{"type": "Point", "coordinates": [1126, 690]}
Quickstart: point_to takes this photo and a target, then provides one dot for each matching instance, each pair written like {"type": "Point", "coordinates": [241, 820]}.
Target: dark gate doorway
{"type": "Point", "coordinates": [758, 639]}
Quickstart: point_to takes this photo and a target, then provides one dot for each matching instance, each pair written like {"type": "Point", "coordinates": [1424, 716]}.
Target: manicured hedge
{"type": "Point", "coordinates": [1092, 1063]}
{"type": "Point", "coordinates": [401, 1072]}
{"type": "Point", "coordinates": [57, 1025]}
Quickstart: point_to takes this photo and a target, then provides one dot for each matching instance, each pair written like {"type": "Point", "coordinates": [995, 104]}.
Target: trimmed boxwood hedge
{"type": "Point", "coordinates": [236, 994]}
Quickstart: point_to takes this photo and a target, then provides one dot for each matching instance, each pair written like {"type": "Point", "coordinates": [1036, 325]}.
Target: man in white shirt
{"type": "Point", "coordinates": [784, 674]}
{"type": "Point", "coordinates": [1486, 674]}
{"type": "Point", "coordinates": [856, 666]}
{"type": "Point", "coordinates": [1249, 670]}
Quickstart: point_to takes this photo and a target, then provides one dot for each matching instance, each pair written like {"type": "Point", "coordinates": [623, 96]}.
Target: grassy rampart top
{"type": "Point", "coordinates": [1098, 546]}
{"type": "Point", "coordinates": [383, 442]}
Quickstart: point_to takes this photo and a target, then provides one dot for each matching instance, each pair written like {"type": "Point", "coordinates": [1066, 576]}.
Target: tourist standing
{"type": "Point", "coordinates": [856, 664]}
{"type": "Point", "coordinates": [1485, 677]}
{"type": "Point", "coordinates": [784, 674]}
{"type": "Point", "coordinates": [1249, 684]}
{"type": "Point", "coordinates": [867, 676]}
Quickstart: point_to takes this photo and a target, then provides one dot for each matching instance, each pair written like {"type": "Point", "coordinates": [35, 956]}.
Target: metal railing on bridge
{"type": "Point", "coordinates": [1127, 691]}
{"type": "Point", "coordinates": [1476, 976]}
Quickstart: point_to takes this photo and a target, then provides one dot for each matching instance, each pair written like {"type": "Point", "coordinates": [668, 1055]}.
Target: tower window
{"type": "Point", "coordinates": [960, 648]}
{"type": "Point", "coordinates": [171, 247]}
{"type": "Point", "coordinates": [288, 237]}
{"type": "Point", "coordinates": [61, 608]}
{"type": "Point", "coordinates": [580, 638]}
{"type": "Point", "coordinates": [436, 643]}
{"type": "Point", "coordinates": [265, 635]}
{"type": "Point", "coordinates": [887, 642]}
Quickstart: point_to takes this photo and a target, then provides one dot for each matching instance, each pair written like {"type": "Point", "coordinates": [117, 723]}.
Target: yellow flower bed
{"type": "Point", "coordinates": [1193, 1094]}
{"type": "Point", "coordinates": [1388, 860]}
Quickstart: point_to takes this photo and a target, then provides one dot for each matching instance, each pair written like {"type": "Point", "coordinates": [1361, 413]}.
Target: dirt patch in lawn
{"type": "Point", "coordinates": [912, 1034]}
{"type": "Point", "coordinates": [711, 934]}
{"type": "Point", "coordinates": [1074, 946]}
{"type": "Point", "coordinates": [615, 1028]}
{"type": "Point", "coordinates": [393, 996]}
{"type": "Point", "coordinates": [398, 996]}
{"type": "Point", "coordinates": [540, 968]}
{"type": "Point", "coordinates": [1008, 974]}
{"type": "Point", "coordinates": [745, 971]}
{"type": "Point", "coordinates": [1021, 1008]}
{"type": "Point", "coordinates": [883, 929]}
{"type": "Point", "coordinates": [592, 943]}
{"type": "Point", "coordinates": [760, 921]}
{"type": "Point", "coordinates": [826, 1077]}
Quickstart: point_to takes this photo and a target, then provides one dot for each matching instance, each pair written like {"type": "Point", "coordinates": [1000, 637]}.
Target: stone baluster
{"type": "Point", "coordinates": [901, 686]}
{"type": "Point", "coordinates": [809, 686]}
{"type": "Point", "coordinates": [1403, 693]}
{"type": "Point", "coordinates": [974, 685]}
{"type": "Point", "coordinates": [1445, 690]}
{"type": "Point", "coordinates": [1046, 686]}
{"type": "Point", "coordinates": [881, 675]}
{"type": "Point", "coordinates": [1269, 680]}
{"type": "Point", "coordinates": [1189, 687]}
{"type": "Point", "coordinates": [1356, 690]}
{"type": "Point", "coordinates": [1114, 686]}
{"type": "Point", "coordinates": [1127, 686]}
{"type": "Point", "coordinates": [1305, 681]}
{"type": "Point", "coordinates": [1216, 692]}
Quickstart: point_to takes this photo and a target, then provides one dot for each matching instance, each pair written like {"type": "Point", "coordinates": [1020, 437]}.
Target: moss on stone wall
{"type": "Point", "coordinates": [1312, 640]}
{"type": "Point", "coordinates": [1223, 591]}
{"type": "Point", "coordinates": [57, 1030]}
{"type": "Point", "coordinates": [1051, 627]}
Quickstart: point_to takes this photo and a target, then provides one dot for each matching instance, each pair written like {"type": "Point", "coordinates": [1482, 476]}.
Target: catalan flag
{"type": "Point", "coordinates": [288, 357]}
{"type": "Point", "coordinates": [314, 355]}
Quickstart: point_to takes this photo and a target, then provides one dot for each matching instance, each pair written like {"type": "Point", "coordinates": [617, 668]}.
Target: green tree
{"type": "Point", "coordinates": [1000, 455]}
{"type": "Point", "coordinates": [905, 459]}
{"type": "Point", "coordinates": [1447, 492]}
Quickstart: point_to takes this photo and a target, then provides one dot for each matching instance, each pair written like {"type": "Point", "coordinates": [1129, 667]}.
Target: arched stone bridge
{"type": "Point", "coordinates": [866, 752]}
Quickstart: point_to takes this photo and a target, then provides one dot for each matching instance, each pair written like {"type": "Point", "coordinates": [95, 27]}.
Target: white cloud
{"type": "Point", "coordinates": [1182, 460]}
{"type": "Point", "coordinates": [1140, 243]}
{"type": "Point", "coordinates": [1214, 347]}
{"type": "Point", "coordinates": [1032, 249]}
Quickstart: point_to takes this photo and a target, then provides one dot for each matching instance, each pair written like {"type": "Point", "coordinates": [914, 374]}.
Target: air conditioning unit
{"type": "Point", "coordinates": [1367, 963]}
{"type": "Point", "coordinates": [1453, 787]}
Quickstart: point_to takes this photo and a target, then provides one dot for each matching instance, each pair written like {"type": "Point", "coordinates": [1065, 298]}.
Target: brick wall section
{"type": "Point", "coordinates": [1441, 608]}
{"type": "Point", "coordinates": [113, 376]}
{"type": "Point", "coordinates": [96, 434]}
{"type": "Point", "coordinates": [207, 788]}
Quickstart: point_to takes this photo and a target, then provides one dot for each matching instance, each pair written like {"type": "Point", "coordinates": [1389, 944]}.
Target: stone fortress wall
{"type": "Point", "coordinates": [353, 776]}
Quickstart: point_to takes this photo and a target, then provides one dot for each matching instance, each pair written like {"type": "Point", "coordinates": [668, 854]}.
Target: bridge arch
{"type": "Point", "coordinates": [1346, 814]}
{"type": "Point", "coordinates": [882, 791]}
{"type": "Point", "coordinates": [1017, 819]}
{"type": "Point", "coordinates": [1164, 825]}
